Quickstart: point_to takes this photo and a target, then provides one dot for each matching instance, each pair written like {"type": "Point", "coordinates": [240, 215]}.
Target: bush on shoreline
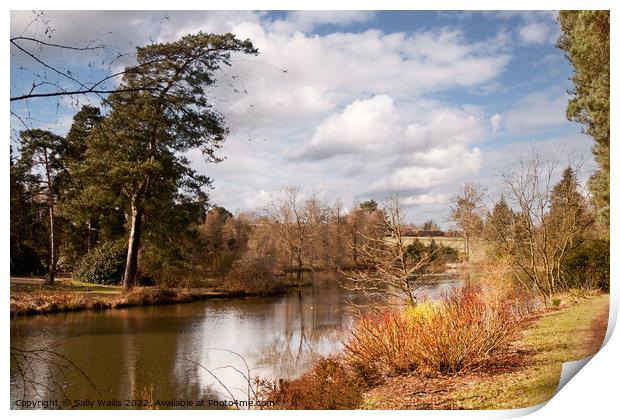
{"type": "Point", "coordinates": [381, 344]}
{"type": "Point", "coordinates": [105, 264]}
{"type": "Point", "coordinates": [255, 276]}
{"type": "Point", "coordinates": [328, 386]}
{"type": "Point", "coordinates": [456, 335]}
{"type": "Point", "coordinates": [588, 265]}
{"type": "Point", "coordinates": [452, 336]}
{"type": "Point", "coordinates": [460, 333]}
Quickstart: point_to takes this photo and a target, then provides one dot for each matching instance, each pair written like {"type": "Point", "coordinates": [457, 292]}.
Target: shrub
{"type": "Point", "coordinates": [105, 264]}
{"type": "Point", "coordinates": [587, 266]}
{"type": "Point", "coordinates": [455, 335]}
{"type": "Point", "coordinates": [24, 260]}
{"type": "Point", "coordinates": [462, 331]}
{"type": "Point", "coordinates": [381, 344]}
{"type": "Point", "coordinates": [328, 386]}
{"type": "Point", "coordinates": [450, 254]}
{"type": "Point", "coordinates": [253, 275]}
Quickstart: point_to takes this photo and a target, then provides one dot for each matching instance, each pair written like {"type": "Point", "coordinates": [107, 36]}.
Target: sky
{"type": "Point", "coordinates": [345, 105]}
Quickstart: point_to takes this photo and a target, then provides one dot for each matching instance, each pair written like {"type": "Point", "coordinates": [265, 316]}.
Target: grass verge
{"type": "Point", "coordinates": [569, 333]}
{"type": "Point", "coordinates": [527, 376]}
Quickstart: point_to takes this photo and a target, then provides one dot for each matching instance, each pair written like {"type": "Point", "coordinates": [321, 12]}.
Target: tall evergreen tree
{"type": "Point", "coordinates": [95, 211]}
{"type": "Point", "coordinates": [567, 220]}
{"type": "Point", "coordinates": [569, 214]}
{"type": "Point", "coordinates": [84, 121]}
{"type": "Point", "coordinates": [40, 153]}
{"type": "Point", "coordinates": [585, 41]}
{"type": "Point", "coordinates": [498, 227]}
{"type": "Point", "coordinates": [138, 148]}
{"type": "Point", "coordinates": [28, 238]}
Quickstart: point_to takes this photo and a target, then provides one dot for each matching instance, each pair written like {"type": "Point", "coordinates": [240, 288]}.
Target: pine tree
{"type": "Point", "coordinates": [585, 41]}
{"type": "Point", "coordinates": [499, 226]}
{"type": "Point", "coordinates": [138, 148]}
{"type": "Point", "coordinates": [40, 152]}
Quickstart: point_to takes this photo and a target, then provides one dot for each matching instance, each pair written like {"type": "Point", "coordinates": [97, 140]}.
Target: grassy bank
{"type": "Point", "coordinates": [29, 297]}
{"type": "Point", "coordinates": [527, 374]}
{"type": "Point", "coordinates": [569, 333]}
{"type": "Point", "coordinates": [464, 352]}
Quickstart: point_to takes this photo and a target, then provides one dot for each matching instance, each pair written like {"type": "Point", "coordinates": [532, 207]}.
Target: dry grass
{"type": "Point", "coordinates": [24, 303]}
{"type": "Point", "coordinates": [33, 303]}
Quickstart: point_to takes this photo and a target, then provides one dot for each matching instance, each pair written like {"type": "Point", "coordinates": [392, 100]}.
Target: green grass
{"type": "Point", "coordinates": [64, 285]}
{"type": "Point", "coordinates": [559, 336]}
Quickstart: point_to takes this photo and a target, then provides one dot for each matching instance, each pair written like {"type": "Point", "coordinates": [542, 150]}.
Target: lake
{"type": "Point", "coordinates": [184, 351]}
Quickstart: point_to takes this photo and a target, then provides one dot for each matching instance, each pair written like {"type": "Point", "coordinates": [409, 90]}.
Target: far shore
{"type": "Point", "coordinates": [31, 296]}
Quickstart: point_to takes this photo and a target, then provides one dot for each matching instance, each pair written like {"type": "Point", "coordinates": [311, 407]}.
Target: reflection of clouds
{"type": "Point", "coordinates": [278, 340]}
{"type": "Point", "coordinates": [125, 351]}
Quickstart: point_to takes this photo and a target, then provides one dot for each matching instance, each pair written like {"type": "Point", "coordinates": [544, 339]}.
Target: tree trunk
{"type": "Point", "coordinates": [355, 249]}
{"type": "Point", "coordinates": [466, 238]}
{"type": "Point", "coordinates": [133, 246]}
{"type": "Point", "coordinates": [300, 263]}
{"type": "Point", "coordinates": [49, 277]}
{"type": "Point", "coordinates": [89, 240]}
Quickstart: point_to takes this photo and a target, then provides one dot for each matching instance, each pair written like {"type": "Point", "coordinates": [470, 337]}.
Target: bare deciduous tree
{"type": "Point", "coordinates": [549, 221]}
{"type": "Point", "coordinates": [395, 268]}
{"type": "Point", "coordinates": [288, 218]}
{"type": "Point", "coordinates": [465, 212]}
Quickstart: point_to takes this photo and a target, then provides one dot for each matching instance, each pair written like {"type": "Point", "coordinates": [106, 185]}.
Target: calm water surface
{"type": "Point", "coordinates": [163, 352]}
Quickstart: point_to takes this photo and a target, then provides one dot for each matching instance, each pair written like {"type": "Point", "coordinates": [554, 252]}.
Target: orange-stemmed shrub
{"type": "Point", "coordinates": [454, 335]}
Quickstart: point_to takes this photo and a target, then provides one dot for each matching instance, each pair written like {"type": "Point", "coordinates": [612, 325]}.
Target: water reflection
{"type": "Point", "coordinates": [157, 352]}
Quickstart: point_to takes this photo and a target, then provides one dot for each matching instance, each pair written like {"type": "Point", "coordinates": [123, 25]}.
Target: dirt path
{"type": "Point", "coordinates": [598, 330]}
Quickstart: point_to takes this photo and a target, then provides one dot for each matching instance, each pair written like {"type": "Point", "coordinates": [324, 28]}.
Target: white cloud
{"type": "Point", "coordinates": [346, 114]}
{"type": "Point", "coordinates": [425, 199]}
{"type": "Point", "coordinates": [299, 76]}
{"type": "Point", "coordinates": [496, 120]}
{"type": "Point", "coordinates": [307, 20]}
{"type": "Point", "coordinates": [445, 125]}
{"type": "Point", "coordinates": [438, 168]}
{"type": "Point", "coordinates": [363, 126]}
{"type": "Point", "coordinates": [383, 145]}
{"type": "Point", "coordinates": [534, 33]}
{"type": "Point", "coordinates": [539, 32]}
{"type": "Point", "coordinates": [536, 111]}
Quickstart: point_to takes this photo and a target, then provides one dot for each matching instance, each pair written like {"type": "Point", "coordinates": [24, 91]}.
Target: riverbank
{"type": "Point", "coordinates": [525, 374]}
{"type": "Point", "coordinates": [32, 297]}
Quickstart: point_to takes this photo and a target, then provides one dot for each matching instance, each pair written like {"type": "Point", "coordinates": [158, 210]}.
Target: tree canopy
{"type": "Point", "coordinates": [585, 41]}
{"type": "Point", "coordinates": [138, 148]}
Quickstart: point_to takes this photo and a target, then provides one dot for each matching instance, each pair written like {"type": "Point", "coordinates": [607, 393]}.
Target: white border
{"type": "Point", "coordinates": [593, 394]}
